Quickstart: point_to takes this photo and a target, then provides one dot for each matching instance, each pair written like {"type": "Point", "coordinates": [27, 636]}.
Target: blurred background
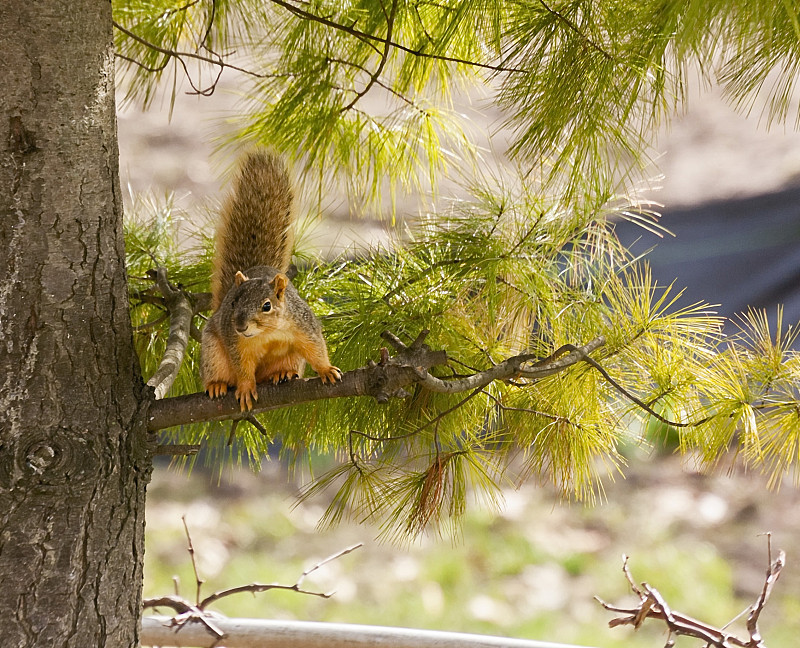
{"type": "Point", "coordinates": [530, 569]}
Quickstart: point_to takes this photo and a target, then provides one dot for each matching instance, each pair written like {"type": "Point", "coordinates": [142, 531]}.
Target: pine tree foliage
{"type": "Point", "coordinates": [363, 91]}
{"type": "Point", "coordinates": [494, 278]}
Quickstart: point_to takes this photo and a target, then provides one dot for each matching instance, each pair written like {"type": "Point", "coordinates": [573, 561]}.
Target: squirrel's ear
{"type": "Point", "coordinates": [279, 285]}
{"type": "Point", "coordinates": [239, 278]}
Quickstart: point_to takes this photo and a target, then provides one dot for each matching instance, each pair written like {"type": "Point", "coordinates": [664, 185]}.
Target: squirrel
{"type": "Point", "coordinates": [261, 330]}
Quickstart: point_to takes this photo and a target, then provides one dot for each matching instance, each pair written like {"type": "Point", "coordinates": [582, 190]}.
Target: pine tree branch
{"type": "Point", "coordinates": [526, 366]}
{"type": "Point", "coordinates": [381, 381]}
{"type": "Point", "coordinates": [218, 60]}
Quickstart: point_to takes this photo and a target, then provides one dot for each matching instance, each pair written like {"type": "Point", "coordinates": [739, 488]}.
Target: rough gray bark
{"type": "Point", "coordinates": [74, 459]}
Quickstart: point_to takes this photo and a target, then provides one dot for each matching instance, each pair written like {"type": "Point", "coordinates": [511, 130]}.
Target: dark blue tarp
{"type": "Point", "coordinates": [736, 253]}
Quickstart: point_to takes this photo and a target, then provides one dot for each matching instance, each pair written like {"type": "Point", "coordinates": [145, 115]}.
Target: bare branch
{"type": "Point", "coordinates": [232, 433]}
{"type": "Point", "coordinates": [186, 612]}
{"type": "Point", "coordinates": [181, 312]}
{"type": "Point", "coordinates": [180, 56]}
{"type": "Point", "coordinates": [255, 588]}
{"type": "Point", "coordinates": [252, 420]}
{"type": "Point", "coordinates": [773, 572]}
{"type": "Point", "coordinates": [198, 612]}
{"type": "Point", "coordinates": [527, 365]}
{"type": "Point", "coordinates": [330, 558]}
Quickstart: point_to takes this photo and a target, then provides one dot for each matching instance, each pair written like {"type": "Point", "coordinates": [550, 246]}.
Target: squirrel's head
{"type": "Point", "coordinates": [258, 303]}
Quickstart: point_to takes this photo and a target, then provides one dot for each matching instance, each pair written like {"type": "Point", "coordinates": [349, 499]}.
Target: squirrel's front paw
{"type": "Point", "coordinates": [217, 389]}
{"type": "Point", "coordinates": [246, 393]}
{"type": "Point", "coordinates": [330, 374]}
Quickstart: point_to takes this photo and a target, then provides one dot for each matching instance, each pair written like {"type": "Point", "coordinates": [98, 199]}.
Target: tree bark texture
{"type": "Point", "coordinates": [74, 459]}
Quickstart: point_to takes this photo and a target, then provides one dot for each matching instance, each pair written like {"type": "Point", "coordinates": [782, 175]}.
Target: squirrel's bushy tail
{"type": "Point", "coordinates": [256, 226]}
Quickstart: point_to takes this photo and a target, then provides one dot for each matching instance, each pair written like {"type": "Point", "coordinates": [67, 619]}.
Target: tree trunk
{"type": "Point", "coordinates": [74, 460]}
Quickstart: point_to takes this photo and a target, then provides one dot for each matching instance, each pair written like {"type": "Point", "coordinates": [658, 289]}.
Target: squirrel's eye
{"type": "Point", "coordinates": [266, 307]}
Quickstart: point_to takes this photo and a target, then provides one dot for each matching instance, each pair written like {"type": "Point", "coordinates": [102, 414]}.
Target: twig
{"type": "Point", "coordinates": [252, 420]}
{"type": "Point", "coordinates": [232, 433]}
{"type": "Point", "coordinates": [773, 572]}
{"type": "Point", "coordinates": [198, 581]}
{"type": "Point", "coordinates": [301, 13]}
{"type": "Point", "coordinates": [377, 82]}
{"type": "Point", "coordinates": [384, 57]}
{"type": "Point", "coordinates": [585, 357]}
{"type": "Point", "coordinates": [254, 588]}
{"type": "Point", "coordinates": [179, 57]}
{"type": "Point", "coordinates": [434, 421]}
{"type": "Point", "coordinates": [527, 410]}
{"type": "Point", "coordinates": [185, 612]}
{"type": "Point", "coordinates": [525, 365]}
{"type": "Point", "coordinates": [177, 449]}
{"type": "Point", "coordinates": [572, 26]}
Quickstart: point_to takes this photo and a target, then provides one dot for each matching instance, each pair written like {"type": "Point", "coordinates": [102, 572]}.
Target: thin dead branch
{"type": "Point", "coordinates": [653, 606]}
{"type": "Point", "coordinates": [254, 588]}
{"type": "Point", "coordinates": [198, 581]}
{"type": "Point", "coordinates": [198, 611]}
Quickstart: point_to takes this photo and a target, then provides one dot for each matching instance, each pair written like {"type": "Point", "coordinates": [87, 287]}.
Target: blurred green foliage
{"type": "Point", "coordinates": [529, 571]}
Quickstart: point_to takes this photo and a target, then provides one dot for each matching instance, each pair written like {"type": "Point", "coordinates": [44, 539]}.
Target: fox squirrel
{"type": "Point", "coordinates": [261, 329]}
